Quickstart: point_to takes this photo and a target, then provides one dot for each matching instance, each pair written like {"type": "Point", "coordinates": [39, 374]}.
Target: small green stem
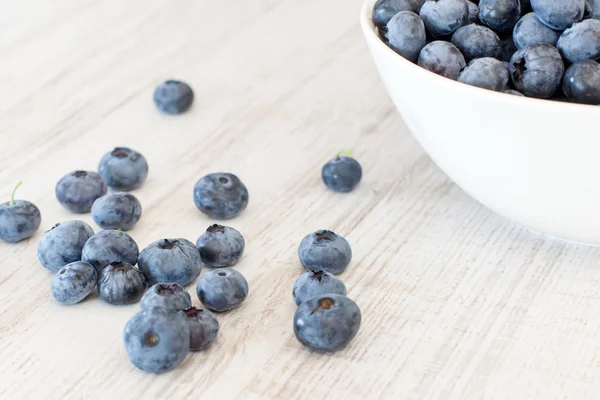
{"type": "Point", "coordinates": [344, 152]}
{"type": "Point", "coordinates": [12, 197]}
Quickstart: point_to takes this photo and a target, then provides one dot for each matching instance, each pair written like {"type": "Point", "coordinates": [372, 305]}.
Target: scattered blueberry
{"type": "Point", "coordinates": [341, 174]}
{"type": "Point", "coordinates": [384, 10]}
{"type": "Point", "coordinates": [220, 195]}
{"type": "Point", "coordinates": [325, 251]}
{"type": "Point", "coordinates": [443, 17]}
{"type": "Point", "coordinates": [19, 219]}
{"type": "Point", "coordinates": [123, 169]}
{"type": "Point", "coordinates": [117, 211]}
{"type": "Point", "coordinates": [476, 41]}
{"type": "Point", "coordinates": [581, 83]}
{"type": "Point", "coordinates": [442, 58]}
{"type": "Point", "coordinates": [529, 30]}
{"type": "Point", "coordinates": [121, 283]}
{"type": "Point", "coordinates": [500, 15]}
{"type": "Point", "coordinates": [222, 290]}
{"type": "Point", "coordinates": [78, 190]}
{"type": "Point", "coordinates": [558, 14]}
{"type": "Point", "coordinates": [327, 323]}
{"type": "Point", "coordinates": [203, 326]}
{"type": "Point", "coordinates": [173, 97]}
{"type": "Point", "coordinates": [473, 13]}
{"type": "Point", "coordinates": [406, 34]}
{"type": "Point", "coordinates": [157, 339]}
{"type": "Point", "coordinates": [74, 282]}
{"type": "Point", "coordinates": [170, 260]}
{"type": "Point", "coordinates": [220, 246]}
{"type": "Point", "coordinates": [168, 295]}
{"type": "Point", "coordinates": [316, 283]}
{"type": "Point", "coordinates": [514, 92]}
{"type": "Point", "coordinates": [537, 70]}
{"type": "Point", "coordinates": [487, 73]}
{"type": "Point", "coordinates": [581, 42]}
{"type": "Point", "coordinates": [109, 246]}
{"type": "Point", "coordinates": [63, 243]}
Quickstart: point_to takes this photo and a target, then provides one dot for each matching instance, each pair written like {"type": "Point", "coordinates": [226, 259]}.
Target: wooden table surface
{"type": "Point", "coordinates": [457, 302]}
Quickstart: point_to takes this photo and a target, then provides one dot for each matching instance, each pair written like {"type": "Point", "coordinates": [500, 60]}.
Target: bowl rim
{"type": "Point", "coordinates": [372, 37]}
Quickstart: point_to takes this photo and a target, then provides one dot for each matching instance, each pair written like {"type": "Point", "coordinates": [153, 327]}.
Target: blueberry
{"type": "Point", "coordinates": [581, 42]}
{"type": "Point", "coordinates": [442, 58]}
{"type": "Point", "coordinates": [157, 339]}
{"type": "Point", "coordinates": [581, 83]}
{"type": "Point", "coordinates": [203, 326]}
{"type": "Point", "coordinates": [593, 7]}
{"type": "Point", "coordinates": [325, 251]}
{"type": "Point", "coordinates": [475, 41]}
{"type": "Point", "coordinates": [78, 190]}
{"type": "Point", "coordinates": [327, 323]}
{"type": "Point", "coordinates": [508, 48]}
{"type": "Point", "coordinates": [220, 246]}
{"type": "Point", "coordinates": [406, 34]}
{"type": "Point", "coordinates": [109, 246]}
{"type": "Point", "coordinates": [443, 17]}
{"type": "Point", "coordinates": [537, 70]}
{"type": "Point", "coordinates": [316, 283]}
{"type": "Point", "coordinates": [170, 260]}
{"type": "Point", "coordinates": [173, 97]}
{"type": "Point", "coordinates": [168, 295]}
{"type": "Point", "coordinates": [558, 15]}
{"type": "Point", "coordinates": [500, 15]}
{"type": "Point", "coordinates": [74, 282]}
{"type": "Point", "coordinates": [19, 219]}
{"type": "Point", "coordinates": [384, 10]}
{"type": "Point", "coordinates": [121, 283]}
{"type": "Point", "coordinates": [487, 73]}
{"type": "Point", "coordinates": [222, 290]}
{"type": "Point", "coordinates": [529, 30]}
{"type": "Point", "coordinates": [220, 195]}
{"type": "Point", "coordinates": [514, 92]}
{"type": "Point", "coordinates": [473, 13]}
{"type": "Point", "coordinates": [123, 169]}
{"type": "Point", "coordinates": [117, 211]}
{"type": "Point", "coordinates": [63, 243]}
{"type": "Point", "coordinates": [341, 174]}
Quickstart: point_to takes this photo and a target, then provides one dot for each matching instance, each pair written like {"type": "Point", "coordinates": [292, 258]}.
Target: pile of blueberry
{"type": "Point", "coordinates": [168, 326]}
{"type": "Point", "coordinates": [546, 49]}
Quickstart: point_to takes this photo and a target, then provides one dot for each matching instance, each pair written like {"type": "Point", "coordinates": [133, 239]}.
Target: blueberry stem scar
{"type": "Point", "coordinates": [12, 197]}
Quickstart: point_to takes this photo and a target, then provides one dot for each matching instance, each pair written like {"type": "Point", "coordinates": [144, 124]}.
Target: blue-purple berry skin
{"type": "Point", "coordinates": [18, 221]}
{"type": "Point", "coordinates": [325, 251]}
{"type": "Point", "coordinates": [581, 83]}
{"type": "Point", "coordinates": [473, 13]}
{"type": "Point", "coordinates": [157, 339]}
{"type": "Point", "coordinates": [537, 70]}
{"type": "Point", "coordinates": [486, 73]}
{"type": "Point", "coordinates": [514, 92]}
{"type": "Point", "coordinates": [500, 15]}
{"type": "Point", "coordinates": [405, 34]}
{"type": "Point", "coordinates": [581, 42]}
{"type": "Point", "coordinates": [63, 244]}
{"type": "Point", "coordinates": [220, 195]}
{"type": "Point", "coordinates": [558, 14]}
{"type": "Point", "coordinates": [204, 327]}
{"type": "Point", "coordinates": [220, 246]}
{"type": "Point", "coordinates": [109, 246]}
{"type": "Point", "coordinates": [173, 97]}
{"type": "Point", "coordinates": [73, 282]}
{"type": "Point", "coordinates": [384, 10]}
{"type": "Point", "coordinates": [78, 190]}
{"type": "Point", "coordinates": [316, 283]}
{"type": "Point", "coordinates": [117, 211]}
{"type": "Point", "coordinates": [123, 169]}
{"type": "Point", "coordinates": [476, 41]}
{"type": "Point", "coordinates": [443, 17]}
{"type": "Point", "coordinates": [327, 323]}
{"type": "Point", "coordinates": [170, 260]}
{"type": "Point", "coordinates": [442, 58]}
{"type": "Point", "coordinates": [342, 174]}
{"type": "Point", "coordinates": [121, 283]}
{"type": "Point", "coordinates": [529, 30]}
{"type": "Point", "coordinates": [222, 289]}
{"type": "Point", "coordinates": [168, 295]}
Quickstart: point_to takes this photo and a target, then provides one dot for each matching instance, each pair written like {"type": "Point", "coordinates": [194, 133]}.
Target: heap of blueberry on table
{"type": "Point", "coordinates": [168, 326]}
{"type": "Point", "coordinates": [546, 49]}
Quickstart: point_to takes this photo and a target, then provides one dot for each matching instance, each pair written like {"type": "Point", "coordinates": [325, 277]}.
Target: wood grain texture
{"type": "Point", "coordinates": [457, 302]}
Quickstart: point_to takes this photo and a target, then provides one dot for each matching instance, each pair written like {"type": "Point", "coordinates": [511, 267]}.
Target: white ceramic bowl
{"type": "Point", "coordinates": [534, 161]}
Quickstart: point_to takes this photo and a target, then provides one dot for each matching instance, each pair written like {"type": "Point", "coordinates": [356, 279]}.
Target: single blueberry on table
{"type": "Point", "coordinates": [514, 92]}
{"type": "Point", "coordinates": [73, 282]}
{"type": "Point", "coordinates": [123, 169]}
{"type": "Point", "coordinates": [78, 190]}
{"type": "Point", "coordinates": [220, 195]}
{"type": "Point", "coordinates": [486, 73]}
{"type": "Point", "coordinates": [170, 260]}
{"type": "Point", "coordinates": [581, 42]}
{"type": "Point", "coordinates": [109, 246]}
{"type": "Point", "coordinates": [168, 295]}
{"type": "Point", "coordinates": [476, 41]}
{"type": "Point", "coordinates": [173, 97]}
{"type": "Point", "coordinates": [203, 326]}
{"type": "Point", "coordinates": [442, 58]}
{"type": "Point", "coordinates": [157, 339]}
{"type": "Point", "coordinates": [121, 283]}
{"type": "Point", "coordinates": [325, 251]}
{"type": "Point", "coordinates": [63, 243]}
{"type": "Point", "coordinates": [117, 211]}
{"type": "Point", "coordinates": [558, 15]}
{"type": "Point", "coordinates": [327, 323]}
{"type": "Point", "coordinates": [500, 15]}
{"type": "Point", "coordinates": [384, 10]}
{"type": "Point", "coordinates": [581, 83]}
{"type": "Point", "coordinates": [222, 290]}
{"type": "Point", "coordinates": [316, 283]}
{"type": "Point", "coordinates": [473, 13]}
{"type": "Point", "coordinates": [19, 219]}
{"type": "Point", "coordinates": [443, 17]}
{"type": "Point", "coordinates": [529, 30]}
{"type": "Point", "coordinates": [406, 35]}
{"type": "Point", "coordinates": [342, 174]}
{"type": "Point", "coordinates": [537, 70]}
{"type": "Point", "coordinates": [220, 246]}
